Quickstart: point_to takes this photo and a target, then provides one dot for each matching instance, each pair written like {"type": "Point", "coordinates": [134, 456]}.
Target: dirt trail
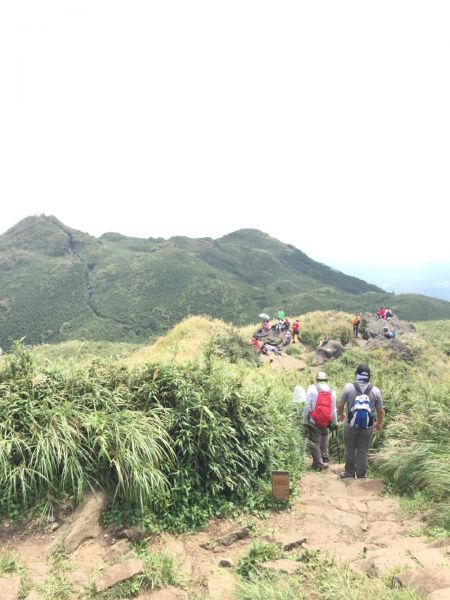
{"type": "Point", "coordinates": [284, 362]}
{"type": "Point", "coordinates": [346, 519]}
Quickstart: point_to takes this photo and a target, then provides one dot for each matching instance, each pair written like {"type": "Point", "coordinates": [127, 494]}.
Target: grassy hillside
{"type": "Point", "coordinates": [179, 433]}
{"type": "Point", "coordinates": [59, 284]}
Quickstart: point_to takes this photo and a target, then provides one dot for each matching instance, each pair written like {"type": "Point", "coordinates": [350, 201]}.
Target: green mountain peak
{"type": "Point", "coordinates": [58, 283]}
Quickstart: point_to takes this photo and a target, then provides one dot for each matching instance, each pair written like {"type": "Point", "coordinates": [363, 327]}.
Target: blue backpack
{"type": "Point", "coordinates": [361, 414]}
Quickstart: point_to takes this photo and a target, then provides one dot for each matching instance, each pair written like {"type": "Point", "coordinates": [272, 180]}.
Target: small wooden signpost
{"type": "Point", "coordinates": [280, 485]}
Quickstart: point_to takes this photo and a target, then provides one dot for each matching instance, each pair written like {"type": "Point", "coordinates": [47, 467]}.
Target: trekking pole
{"type": "Point", "coordinates": [338, 445]}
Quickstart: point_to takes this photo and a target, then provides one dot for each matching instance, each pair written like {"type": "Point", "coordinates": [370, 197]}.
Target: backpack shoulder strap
{"type": "Point", "coordinates": [357, 389]}
{"type": "Point", "coordinates": [366, 391]}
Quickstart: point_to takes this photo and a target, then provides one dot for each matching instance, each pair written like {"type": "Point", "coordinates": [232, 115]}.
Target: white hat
{"type": "Point", "coordinates": [321, 376]}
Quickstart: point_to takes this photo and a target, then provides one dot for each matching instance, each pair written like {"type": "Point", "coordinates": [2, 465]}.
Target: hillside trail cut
{"type": "Point", "coordinates": [348, 520]}
{"type": "Point", "coordinates": [283, 362]}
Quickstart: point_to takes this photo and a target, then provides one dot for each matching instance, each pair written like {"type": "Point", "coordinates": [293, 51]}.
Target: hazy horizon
{"type": "Point", "coordinates": [324, 124]}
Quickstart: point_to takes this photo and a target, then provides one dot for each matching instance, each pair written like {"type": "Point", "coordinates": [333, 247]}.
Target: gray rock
{"type": "Point", "coordinates": [328, 349]}
{"type": "Point", "coordinates": [86, 522]}
{"type": "Point", "coordinates": [120, 572]}
{"type": "Point", "coordinates": [372, 331]}
{"type": "Point", "coordinates": [233, 537]}
{"type": "Point", "coordinates": [287, 541]}
{"type": "Point", "coordinates": [425, 581]}
{"type": "Point", "coordinates": [131, 533]}
{"type": "Point", "coordinates": [226, 540]}
{"type": "Point", "coordinates": [119, 549]}
{"type": "Point", "coordinates": [208, 545]}
{"type": "Point", "coordinates": [226, 563]}
{"type": "Point", "coordinates": [78, 579]}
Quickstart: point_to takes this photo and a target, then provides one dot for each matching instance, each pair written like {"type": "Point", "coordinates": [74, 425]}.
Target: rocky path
{"type": "Point", "coordinates": [348, 519]}
{"type": "Point", "coordinates": [352, 521]}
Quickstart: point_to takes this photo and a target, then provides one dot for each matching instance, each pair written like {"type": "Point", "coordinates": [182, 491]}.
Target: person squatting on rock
{"type": "Point", "coordinates": [319, 414]}
{"type": "Point", "coordinates": [357, 406]}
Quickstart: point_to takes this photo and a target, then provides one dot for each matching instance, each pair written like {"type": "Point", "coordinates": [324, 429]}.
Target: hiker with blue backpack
{"type": "Point", "coordinates": [319, 414]}
{"type": "Point", "coordinates": [359, 403]}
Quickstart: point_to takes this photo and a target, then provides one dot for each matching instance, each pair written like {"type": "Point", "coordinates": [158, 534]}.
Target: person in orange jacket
{"type": "Point", "coordinates": [356, 322]}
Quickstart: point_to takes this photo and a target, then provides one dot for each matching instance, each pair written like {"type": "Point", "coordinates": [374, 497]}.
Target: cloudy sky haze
{"type": "Point", "coordinates": [324, 124]}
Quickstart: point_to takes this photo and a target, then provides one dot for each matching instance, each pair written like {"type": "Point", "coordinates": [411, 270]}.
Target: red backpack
{"type": "Point", "coordinates": [322, 413]}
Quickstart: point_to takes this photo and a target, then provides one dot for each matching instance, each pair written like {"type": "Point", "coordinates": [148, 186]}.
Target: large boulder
{"type": "Point", "coordinates": [328, 349]}
{"type": "Point", "coordinates": [373, 331]}
{"type": "Point", "coordinates": [86, 523]}
{"type": "Point", "coordinates": [393, 344]}
{"type": "Point", "coordinates": [425, 581]}
{"type": "Point", "coordinates": [372, 326]}
{"type": "Point", "coordinates": [118, 573]}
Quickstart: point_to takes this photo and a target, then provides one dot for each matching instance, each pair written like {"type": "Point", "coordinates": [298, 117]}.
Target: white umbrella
{"type": "Point", "coordinates": [264, 316]}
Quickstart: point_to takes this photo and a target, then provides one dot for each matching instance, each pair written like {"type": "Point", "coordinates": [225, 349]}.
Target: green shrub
{"type": "Point", "coordinates": [231, 346]}
{"type": "Point", "coordinates": [258, 552]}
{"type": "Point", "coordinates": [174, 443]}
{"type": "Point", "coordinates": [62, 435]}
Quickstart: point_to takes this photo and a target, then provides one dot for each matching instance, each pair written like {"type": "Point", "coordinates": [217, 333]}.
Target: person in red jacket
{"type": "Point", "coordinates": [295, 330]}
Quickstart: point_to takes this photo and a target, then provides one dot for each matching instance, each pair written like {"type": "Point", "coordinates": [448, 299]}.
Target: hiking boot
{"type": "Point", "coordinates": [361, 477]}
{"type": "Point", "coordinates": [319, 467]}
{"type": "Point", "coordinates": [346, 475]}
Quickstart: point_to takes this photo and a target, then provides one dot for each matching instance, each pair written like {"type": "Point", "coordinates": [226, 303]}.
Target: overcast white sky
{"type": "Point", "coordinates": [325, 124]}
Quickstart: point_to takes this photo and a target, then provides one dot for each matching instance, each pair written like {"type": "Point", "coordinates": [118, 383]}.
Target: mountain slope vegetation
{"type": "Point", "coordinates": [57, 283]}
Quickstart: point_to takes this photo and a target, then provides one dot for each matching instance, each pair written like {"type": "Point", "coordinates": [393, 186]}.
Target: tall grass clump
{"type": "Point", "coordinates": [315, 325]}
{"type": "Point", "coordinates": [416, 456]}
{"type": "Point", "coordinates": [228, 434]}
{"type": "Point", "coordinates": [173, 443]}
{"type": "Point", "coordinates": [63, 435]}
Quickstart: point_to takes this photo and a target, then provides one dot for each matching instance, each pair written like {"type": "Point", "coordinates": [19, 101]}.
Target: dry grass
{"type": "Point", "coordinates": [185, 342]}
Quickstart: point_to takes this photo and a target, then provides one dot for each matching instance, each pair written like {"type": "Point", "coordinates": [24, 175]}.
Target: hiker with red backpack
{"type": "Point", "coordinates": [359, 403]}
{"type": "Point", "coordinates": [319, 414]}
{"type": "Point", "coordinates": [295, 330]}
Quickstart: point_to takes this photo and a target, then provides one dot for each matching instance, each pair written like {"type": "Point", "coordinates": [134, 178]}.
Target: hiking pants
{"type": "Point", "coordinates": [318, 444]}
{"type": "Point", "coordinates": [357, 444]}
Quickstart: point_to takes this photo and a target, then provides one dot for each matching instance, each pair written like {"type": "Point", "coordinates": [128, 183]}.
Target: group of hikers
{"type": "Point", "coordinates": [385, 313]}
{"type": "Point", "coordinates": [284, 332]}
{"type": "Point", "coordinates": [360, 408]}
